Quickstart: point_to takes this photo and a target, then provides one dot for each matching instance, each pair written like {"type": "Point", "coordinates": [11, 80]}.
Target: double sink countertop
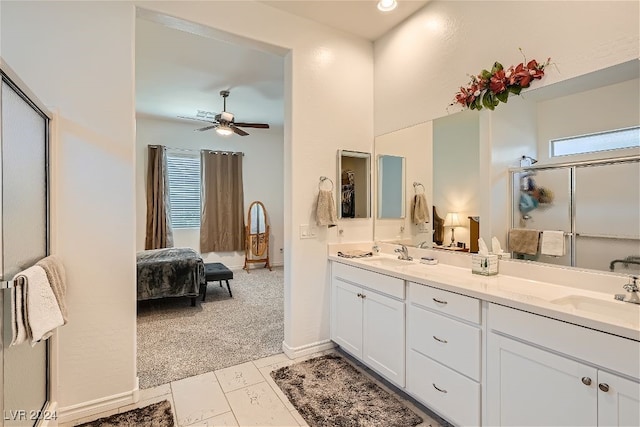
{"type": "Point", "coordinates": [595, 310]}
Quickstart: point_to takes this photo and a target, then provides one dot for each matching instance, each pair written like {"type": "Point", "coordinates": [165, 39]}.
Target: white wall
{"type": "Point", "coordinates": [78, 56]}
{"type": "Point", "coordinates": [262, 167]}
{"type": "Point", "coordinates": [415, 145]}
{"type": "Point", "coordinates": [456, 168]}
{"type": "Point", "coordinates": [607, 108]}
{"type": "Point", "coordinates": [420, 64]}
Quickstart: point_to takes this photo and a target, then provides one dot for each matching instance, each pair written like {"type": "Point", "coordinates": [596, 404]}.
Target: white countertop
{"type": "Point", "coordinates": [595, 310]}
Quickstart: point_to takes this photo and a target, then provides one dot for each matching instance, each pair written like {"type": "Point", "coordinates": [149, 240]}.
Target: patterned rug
{"type": "Point", "coordinates": [177, 341]}
{"type": "Point", "coordinates": [155, 415]}
{"type": "Point", "coordinates": [328, 392]}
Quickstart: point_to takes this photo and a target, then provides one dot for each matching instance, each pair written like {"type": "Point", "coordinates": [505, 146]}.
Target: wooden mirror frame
{"type": "Point", "coordinates": [256, 248]}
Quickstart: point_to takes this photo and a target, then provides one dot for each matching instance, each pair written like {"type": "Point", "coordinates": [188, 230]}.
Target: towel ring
{"type": "Point", "coordinates": [322, 180]}
{"type": "Point", "coordinates": [415, 187]}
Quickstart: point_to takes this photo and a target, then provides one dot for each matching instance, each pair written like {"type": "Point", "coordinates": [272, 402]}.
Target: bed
{"type": "Point", "coordinates": [169, 272]}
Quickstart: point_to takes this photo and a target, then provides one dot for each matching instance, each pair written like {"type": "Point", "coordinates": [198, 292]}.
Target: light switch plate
{"type": "Point", "coordinates": [307, 231]}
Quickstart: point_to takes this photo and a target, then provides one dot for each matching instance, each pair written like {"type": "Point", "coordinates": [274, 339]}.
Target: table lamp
{"type": "Point", "coordinates": [452, 220]}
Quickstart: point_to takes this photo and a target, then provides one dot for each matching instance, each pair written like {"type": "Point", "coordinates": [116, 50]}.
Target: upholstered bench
{"type": "Point", "coordinates": [216, 271]}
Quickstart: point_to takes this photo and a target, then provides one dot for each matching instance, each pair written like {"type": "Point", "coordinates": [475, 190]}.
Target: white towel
{"type": "Point", "coordinates": [39, 310]}
{"type": "Point", "coordinates": [419, 210]}
{"type": "Point", "coordinates": [326, 209]}
{"type": "Point", "coordinates": [18, 326]}
{"type": "Point", "coordinates": [552, 243]}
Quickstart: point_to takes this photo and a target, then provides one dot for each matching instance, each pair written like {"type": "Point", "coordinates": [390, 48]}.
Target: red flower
{"type": "Point", "coordinates": [498, 82]}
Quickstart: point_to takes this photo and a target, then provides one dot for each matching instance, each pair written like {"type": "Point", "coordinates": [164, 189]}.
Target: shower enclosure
{"type": "Point", "coordinates": [595, 203]}
{"type": "Point", "coordinates": [24, 239]}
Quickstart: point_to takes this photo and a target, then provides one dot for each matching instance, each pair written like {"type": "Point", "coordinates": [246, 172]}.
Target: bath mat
{"type": "Point", "coordinates": [155, 415]}
{"type": "Point", "coordinates": [328, 392]}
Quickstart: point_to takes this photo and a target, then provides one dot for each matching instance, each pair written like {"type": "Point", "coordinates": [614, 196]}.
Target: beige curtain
{"type": "Point", "coordinates": [159, 232]}
{"type": "Point", "coordinates": [222, 222]}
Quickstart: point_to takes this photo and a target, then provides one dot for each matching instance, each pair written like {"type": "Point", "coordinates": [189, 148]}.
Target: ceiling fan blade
{"type": "Point", "coordinates": [197, 119]}
{"type": "Point", "coordinates": [206, 128]}
{"type": "Point", "coordinates": [238, 130]}
{"type": "Point", "coordinates": [252, 125]}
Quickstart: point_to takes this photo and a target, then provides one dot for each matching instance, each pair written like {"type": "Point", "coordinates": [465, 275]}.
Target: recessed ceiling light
{"type": "Point", "coordinates": [387, 5]}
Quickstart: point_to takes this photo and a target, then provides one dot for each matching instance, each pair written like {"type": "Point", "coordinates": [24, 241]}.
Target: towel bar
{"type": "Point", "coordinates": [8, 284]}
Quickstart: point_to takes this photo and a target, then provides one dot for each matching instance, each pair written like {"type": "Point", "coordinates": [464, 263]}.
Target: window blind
{"type": "Point", "coordinates": [184, 189]}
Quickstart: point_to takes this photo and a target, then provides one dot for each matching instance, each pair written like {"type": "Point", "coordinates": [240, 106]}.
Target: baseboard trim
{"type": "Point", "coordinates": [305, 350]}
{"type": "Point", "coordinates": [97, 406]}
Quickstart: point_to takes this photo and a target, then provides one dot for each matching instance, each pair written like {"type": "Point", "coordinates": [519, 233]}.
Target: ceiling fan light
{"type": "Point", "coordinates": [387, 5]}
{"type": "Point", "coordinates": [224, 130]}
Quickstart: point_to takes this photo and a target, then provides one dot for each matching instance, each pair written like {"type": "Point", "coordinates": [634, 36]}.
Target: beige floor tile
{"type": "Point", "coordinates": [225, 420]}
{"type": "Point", "coordinates": [267, 377]}
{"type": "Point", "coordinates": [198, 398]}
{"type": "Point", "coordinates": [142, 403]}
{"type": "Point", "coordinates": [89, 418]}
{"type": "Point", "coordinates": [258, 405]}
{"type": "Point", "coordinates": [299, 419]}
{"type": "Point", "coordinates": [238, 376]}
{"type": "Point", "coordinates": [270, 360]}
{"type": "Point", "coordinates": [148, 393]}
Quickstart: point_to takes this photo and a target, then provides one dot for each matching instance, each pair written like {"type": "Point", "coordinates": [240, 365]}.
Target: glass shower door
{"type": "Point", "coordinates": [24, 241]}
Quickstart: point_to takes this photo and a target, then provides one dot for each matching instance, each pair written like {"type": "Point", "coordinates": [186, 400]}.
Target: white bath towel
{"type": "Point", "coordinates": [552, 243]}
{"type": "Point", "coordinates": [18, 326]}
{"type": "Point", "coordinates": [326, 209]}
{"type": "Point", "coordinates": [40, 311]}
{"type": "Point", "coordinates": [419, 209]}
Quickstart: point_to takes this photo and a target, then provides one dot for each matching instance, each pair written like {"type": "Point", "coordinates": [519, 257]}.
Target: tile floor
{"type": "Point", "coordinates": [241, 395]}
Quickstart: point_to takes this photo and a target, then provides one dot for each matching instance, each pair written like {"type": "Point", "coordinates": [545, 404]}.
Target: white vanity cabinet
{"type": "Point", "coordinates": [368, 319]}
{"type": "Point", "coordinates": [542, 371]}
{"type": "Point", "coordinates": [444, 343]}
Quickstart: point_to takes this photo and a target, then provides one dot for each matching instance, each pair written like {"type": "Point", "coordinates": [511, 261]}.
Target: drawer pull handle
{"type": "Point", "coordinates": [439, 389]}
{"type": "Point", "coordinates": [604, 387]}
{"type": "Point", "coordinates": [586, 380]}
{"type": "Point", "coordinates": [438, 339]}
{"type": "Point", "coordinates": [440, 302]}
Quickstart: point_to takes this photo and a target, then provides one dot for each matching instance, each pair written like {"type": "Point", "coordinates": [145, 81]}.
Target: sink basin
{"type": "Point", "coordinates": [628, 313]}
{"type": "Point", "coordinates": [386, 262]}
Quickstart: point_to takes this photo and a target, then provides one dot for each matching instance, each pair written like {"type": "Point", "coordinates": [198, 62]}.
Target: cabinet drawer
{"type": "Point", "coordinates": [457, 305]}
{"type": "Point", "coordinates": [450, 342]}
{"type": "Point", "coordinates": [388, 285]}
{"type": "Point", "coordinates": [458, 397]}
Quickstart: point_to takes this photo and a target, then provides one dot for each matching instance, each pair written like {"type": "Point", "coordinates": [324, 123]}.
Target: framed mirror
{"type": "Point", "coordinates": [257, 236]}
{"type": "Point", "coordinates": [354, 189]}
{"type": "Point", "coordinates": [391, 187]}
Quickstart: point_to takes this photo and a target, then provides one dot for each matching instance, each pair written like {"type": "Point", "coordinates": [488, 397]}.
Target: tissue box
{"type": "Point", "coordinates": [487, 265]}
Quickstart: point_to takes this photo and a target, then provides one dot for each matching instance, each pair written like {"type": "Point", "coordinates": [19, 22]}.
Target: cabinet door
{"type": "Point", "coordinates": [527, 386]}
{"type": "Point", "coordinates": [383, 330]}
{"type": "Point", "coordinates": [618, 401]}
{"type": "Point", "coordinates": [347, 317]}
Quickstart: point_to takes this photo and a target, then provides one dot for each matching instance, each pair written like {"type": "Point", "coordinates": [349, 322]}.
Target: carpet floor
{"type": "Point", "coordinates": [328, 392]}
{"type": "Point", "coordinates": [177, 341]}
{"type": "Point", "coordinates": [155, 415]}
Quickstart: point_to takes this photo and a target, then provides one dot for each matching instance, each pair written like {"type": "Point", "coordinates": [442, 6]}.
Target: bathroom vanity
{"type": "Point", "coordinates": [499, 350]}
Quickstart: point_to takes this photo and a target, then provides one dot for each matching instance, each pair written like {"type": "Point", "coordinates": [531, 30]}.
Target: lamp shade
{"type": "Point", "coordinates": [453, 220]}
{"type": "Point", "coordinates": [224, 130]}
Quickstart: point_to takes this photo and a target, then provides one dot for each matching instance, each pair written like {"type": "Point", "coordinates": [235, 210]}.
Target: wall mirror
{"type": "Point", "coordinates": [391, 187]}
{"type": "Point", "coordinates": [257, 236]}
{"type": "Point", "coordinates": [595, 102]}
{"type": "Point", "coordinates": [354, 189]}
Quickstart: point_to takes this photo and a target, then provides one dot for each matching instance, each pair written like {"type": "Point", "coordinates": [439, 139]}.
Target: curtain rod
{"type": "Point", "coordinates": [193, 150]}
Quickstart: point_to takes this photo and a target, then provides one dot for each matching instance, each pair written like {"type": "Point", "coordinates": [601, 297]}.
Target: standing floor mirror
{"type": "Point", "coordinates": [256, 249]}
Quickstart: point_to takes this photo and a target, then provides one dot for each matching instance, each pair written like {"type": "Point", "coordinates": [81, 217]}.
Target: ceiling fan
{"type": "Point", "coordinates": [224, 123]}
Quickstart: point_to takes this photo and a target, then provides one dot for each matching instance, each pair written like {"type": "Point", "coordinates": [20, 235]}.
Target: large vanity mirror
{"type": "Point", "coordinates": [354, 188]}
{"type": "Point", "coordinates": [465, 160]}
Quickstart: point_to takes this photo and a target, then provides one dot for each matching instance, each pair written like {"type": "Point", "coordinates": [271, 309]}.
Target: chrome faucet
{"type": "Point", "coordinates": [632, 287]}
{"type": "Point", "coordinates": [404, 253]}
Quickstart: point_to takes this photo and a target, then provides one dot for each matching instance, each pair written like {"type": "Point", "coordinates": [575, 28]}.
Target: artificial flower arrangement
{"type": "Point", "coordinates": [489, 88]}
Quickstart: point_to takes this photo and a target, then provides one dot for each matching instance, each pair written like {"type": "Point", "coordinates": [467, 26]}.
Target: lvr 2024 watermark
{"type": "Point", "coordinates": [28, 415]}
